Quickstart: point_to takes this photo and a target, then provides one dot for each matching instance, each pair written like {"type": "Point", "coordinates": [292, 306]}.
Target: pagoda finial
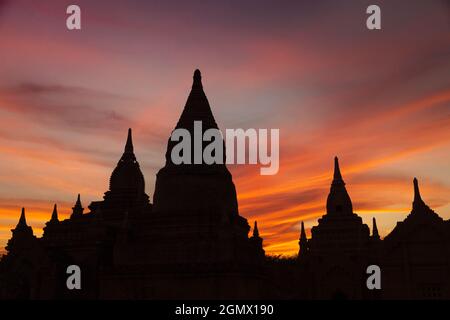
{"type": "Point", "coordinates": [22, 220]}
{"type": "Point", "coordinates": [129, 145]}
{"type": "Point", "coordinates": [418, 203]}
{"type": "Point", "coordinates": [54, 217]}
{"type": "Point", "coordinates": [197, 79]}
{"type": "Point", "coordinates": [78, 209]}
{"type": "Point", "coordinates": [417, 197]}
{"type": "Point", "coordinates": [303, 233]}
{"type": "Point", "coordinates": [256, 240]}
{"type": "Point", "coordinates": [337, 171]}
{"type": "Point", "coordinates": [21, 229]}
{"type": "Point", "coordinates": [338, 201]}
{"type": "Point", "coordinates": [375, 233]}
{"type": "Point", "coordinates": [419, 207]}
{"type": "Point", "coordinates": [255, 230]}
{"type": "Point", "coordinates": [303, 242]}
{"type": "Point", "coordinates": [78, 203]}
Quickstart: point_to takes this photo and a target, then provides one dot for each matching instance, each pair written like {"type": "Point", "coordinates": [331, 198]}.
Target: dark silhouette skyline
{"type": "Point", "coordinates": [279, 66]}
{"type": "Point", "coordinates": [192, 243]}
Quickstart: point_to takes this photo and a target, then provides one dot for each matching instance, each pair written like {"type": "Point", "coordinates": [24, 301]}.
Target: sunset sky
{"type": "Point", "coordinates": [379, 100]}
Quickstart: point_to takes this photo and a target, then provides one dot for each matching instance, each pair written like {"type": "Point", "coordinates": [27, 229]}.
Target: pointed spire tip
{"type": "Point", "coordinates": [78, 202]}
{"type": "Point", "coordinates": [22, 219]}
{"type": "Point", "coordinates": [129, 143]}
{"type": "Point", "coordinates": [302, 231]}
{"type": "Point", "coordinates": [375, 228]}
{"type": "Point", "coordinates": [255, 229]}
{"type": "Point", "coordinates": [337, 170]}
{"type": "Point", "coordinates": [197, 79]}
{"type": "Point", "coordinates": [54, 216]}
{"type": "Point", "coordinates": [77, 210]}
{"type": "Point", "coordinates": [417, 196]}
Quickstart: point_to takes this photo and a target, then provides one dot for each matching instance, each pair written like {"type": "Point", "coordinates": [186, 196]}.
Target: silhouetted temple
{"type": "Point", "coordinates": [336, 256]}
{"type": "Point", "coordinates": [192, 242]}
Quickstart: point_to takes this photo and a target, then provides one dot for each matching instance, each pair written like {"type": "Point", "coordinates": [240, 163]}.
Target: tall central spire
{"type": "Point", "coordinates": [196, 187]}
{"type": "Point", "coordinates": [196, 110]}
{"type": "Point", "coordinates": [197, 107]}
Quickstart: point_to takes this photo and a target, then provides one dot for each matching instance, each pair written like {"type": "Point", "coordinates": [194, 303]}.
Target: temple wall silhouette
{"type": "Point", "coordinates": [192, 243]}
